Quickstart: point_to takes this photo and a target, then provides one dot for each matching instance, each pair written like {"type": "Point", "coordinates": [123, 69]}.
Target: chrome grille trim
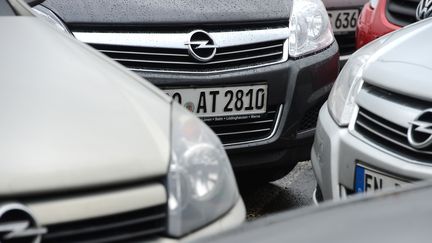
{"type": "Point", "coordinates": [271, 131]}
{"type": "Point", "coordinates": [196, 63]}
{"type": "Point", "coordinates": [167, 53]}
{"type": "Point", "coordinates": [387, 130]}
{"type": "Point", "coordinates": [178, 40]}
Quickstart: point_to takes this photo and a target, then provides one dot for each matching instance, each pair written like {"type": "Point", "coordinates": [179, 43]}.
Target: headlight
{"type": "Point", "coordinates": [373, 3]}
{"type": "Point", "coordinates": [341, 102]}
{"type": "Point", "coordinates": [50, 17]}
{"type": "Point", "coordinates": [201, 183]}
{"type": "Point", "coordinates": [310, 29]}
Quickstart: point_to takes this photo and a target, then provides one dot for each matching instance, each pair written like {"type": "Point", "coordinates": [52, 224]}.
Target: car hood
{"type": "Point", "coordinates": [404, 63]}
{"type": "Point", "coordinates": [169, 12]}
{"type": "Point", "coordinates": [71, 118]}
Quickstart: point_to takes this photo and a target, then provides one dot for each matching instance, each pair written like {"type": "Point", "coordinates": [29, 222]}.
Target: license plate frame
{"type": "Point", "coordinates": [366, 177]}
{"type": "Point", "coordinates": [254, 99]}
{"type": "Point", "coordinates": [344, 20]}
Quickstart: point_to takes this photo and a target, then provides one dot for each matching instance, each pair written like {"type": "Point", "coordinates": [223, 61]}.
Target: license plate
{"type": "Point", "coordinates": [367, 180]}
{"type": "Point", "coordinates": [343, 20]}
{"type": "Point", "coordinates": [223, 101]}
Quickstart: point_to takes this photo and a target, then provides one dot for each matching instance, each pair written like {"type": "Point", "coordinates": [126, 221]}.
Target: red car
{"type": "Point", "coordinates": [380, 17]}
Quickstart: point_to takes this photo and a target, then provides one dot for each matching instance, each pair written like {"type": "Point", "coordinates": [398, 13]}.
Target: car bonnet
{"type": "Point", "coordinates": [404, 63]}
{"type": "Point", "coordinates": [72, 118]}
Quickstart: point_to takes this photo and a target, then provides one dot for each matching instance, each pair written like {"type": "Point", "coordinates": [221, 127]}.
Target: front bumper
{"type": "Point", "coordinates": [299, 86]}
{"type": "Point", "coordinates": [234, 218]}
{"type": "Point", "coordinates": [336, 150]}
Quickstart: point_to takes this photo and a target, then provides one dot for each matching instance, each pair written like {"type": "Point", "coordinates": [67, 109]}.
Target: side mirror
{"type": "Point", "coordinates": [33, 3]}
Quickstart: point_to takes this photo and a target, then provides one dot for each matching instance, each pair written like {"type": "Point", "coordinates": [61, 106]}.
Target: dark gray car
{"type": "Point", "coordinates": [343, 17]}
{"type": "Point", "coordinates": [255, 71]}
{"type": "Point", "coordinates": [396, 217]}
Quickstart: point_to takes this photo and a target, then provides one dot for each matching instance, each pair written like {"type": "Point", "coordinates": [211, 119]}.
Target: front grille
{"type": "Point", "coordinates": [401, 12]}
{"type": "Point", "coordinates": [346, 43]}
{"type": "Point", "coordinates": [389, 136]}
{"type": "Point", "coordinates": [171, 59]}
{"type": "Point", "coordinates": [133, 226]}
{"type": "Point", "coordinates": [235, 129]}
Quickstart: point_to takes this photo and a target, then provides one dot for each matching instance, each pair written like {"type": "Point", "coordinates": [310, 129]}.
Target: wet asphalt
{"type": "Point", "coordinates": [291, 192]}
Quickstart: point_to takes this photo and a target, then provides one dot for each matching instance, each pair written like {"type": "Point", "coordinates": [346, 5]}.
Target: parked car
{"type": "Point", "coordinates": [395, 217]}
{"type": "Point", "coordinates": [375, 130]}
{"type": "Point", "coordinates": [255, 71]}
{"type": "Point", "coordinates": [91, 152]}
{"type": "Point", "coordinates": [343, 16]}
{"type": "Point", "coordinates": [380, 17]}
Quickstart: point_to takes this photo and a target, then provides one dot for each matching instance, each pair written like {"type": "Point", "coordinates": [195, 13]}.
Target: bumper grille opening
{"type": "Point", "coordinates": [166, 59]}
{"type": "Point", "coordinates": [310, 119]}
{"type": "Point", "coordinates": [389, 136]}
{"type": "Point", "coordinates": [346, 43]}
{"type": "Point", "coordinates": [133, 226]}
{"type": "Point", "coordinates": [236, 129]}
{"type": "Point", "coordinates": [401, 12]}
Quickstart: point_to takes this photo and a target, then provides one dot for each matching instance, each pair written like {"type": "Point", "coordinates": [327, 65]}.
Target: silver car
{"type": "Point", "coordinates": [375, 131]}
{"type": "Point", "coordinates": [91, 152]}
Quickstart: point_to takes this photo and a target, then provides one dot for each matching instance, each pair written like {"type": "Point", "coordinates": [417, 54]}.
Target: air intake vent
{"type": "Point", "coordinates": [389, 136]}
{"type": "Point", "coordinates": [233, 130]}
{"type": "Point", "coordinates": [166, 59]}
{"type": "Point", "coordinates": [142, 225]}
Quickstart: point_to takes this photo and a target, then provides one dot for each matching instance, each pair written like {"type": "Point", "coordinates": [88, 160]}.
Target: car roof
{"type": "Point", "coordinates": [396, 217]}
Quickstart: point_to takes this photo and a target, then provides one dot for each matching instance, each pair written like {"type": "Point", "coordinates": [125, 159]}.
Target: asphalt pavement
{"type": "Point", "coordinates": [293, 191]}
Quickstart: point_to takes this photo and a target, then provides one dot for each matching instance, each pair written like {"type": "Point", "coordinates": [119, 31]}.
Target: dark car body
{"type": "Point", "coordinates": [297, 87]}
{"type": "Point", "coordinates": [347, 11]}
{"type": "Point", "coordinates": [391, 217]}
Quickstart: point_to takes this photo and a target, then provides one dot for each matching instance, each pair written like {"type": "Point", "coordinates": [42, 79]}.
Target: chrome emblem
{"type": "Point", "coordinates": [201, 46]}
{"type": "Point", "coordinates": [18, 225]}
{"type": "Point", "coordinates": [420, 130]}
{"type": "Point", "coordinates": [424, 9]}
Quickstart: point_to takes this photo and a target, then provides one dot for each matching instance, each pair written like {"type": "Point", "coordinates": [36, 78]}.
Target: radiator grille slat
{"type": "Point", "coordinates": [389, 136]}
{"type": "Point", "coordinates": [142, 224]}
{"type": "Point", "coordinates": [226, 58]}
{"type": "Point", "coordinates": [246, 130]}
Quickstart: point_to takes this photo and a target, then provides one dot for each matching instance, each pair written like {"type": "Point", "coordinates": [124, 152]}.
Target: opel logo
{"type": "Point", "coordinates": [420, 130]}
{"type": "Point", "coordinates": [424, 9]}
{"type": "Point", "coordinates": [18, 225]}
{"type": "Point", "coordinates": [201, 46]}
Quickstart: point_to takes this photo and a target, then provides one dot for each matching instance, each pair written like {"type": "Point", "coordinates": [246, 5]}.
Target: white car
{"type": "Point", "coordinates": [90, 152]}
{"type": "Point", "coordinates": [375, 131]}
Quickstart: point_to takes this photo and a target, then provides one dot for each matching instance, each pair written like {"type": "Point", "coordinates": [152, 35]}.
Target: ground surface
{"type": "Point", "coordinates": [293, 191]}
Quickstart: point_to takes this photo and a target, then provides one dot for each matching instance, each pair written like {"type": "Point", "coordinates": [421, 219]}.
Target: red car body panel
{"type": "Point", "coordinates": [373, 23]}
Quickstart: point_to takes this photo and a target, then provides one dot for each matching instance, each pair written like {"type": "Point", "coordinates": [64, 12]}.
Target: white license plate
{"type": "Point", "coordinates": [367, 180]}
{"type": "Point", "coordinates": [223, 101]}
{"type": "Point", "coordinates": [343, 20]}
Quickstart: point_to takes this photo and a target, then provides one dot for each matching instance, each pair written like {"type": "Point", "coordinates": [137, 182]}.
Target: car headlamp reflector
{"type": "Point", "coordinates": [201, 183]}
{"type": "Point", "coordinates": [310, 28]}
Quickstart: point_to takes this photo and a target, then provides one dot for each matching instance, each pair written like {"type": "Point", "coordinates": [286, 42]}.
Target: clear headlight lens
{"type": "Point", "coordinates": [50, 17]}
{"type": "Point", "coordinates": [201, 183]}
{"type": "Point", "coordinates": [373, 3]}
{"type": "Point", "coordinates": [310, 28]}
{"type": "Point", "coordinates": [341, 102]}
